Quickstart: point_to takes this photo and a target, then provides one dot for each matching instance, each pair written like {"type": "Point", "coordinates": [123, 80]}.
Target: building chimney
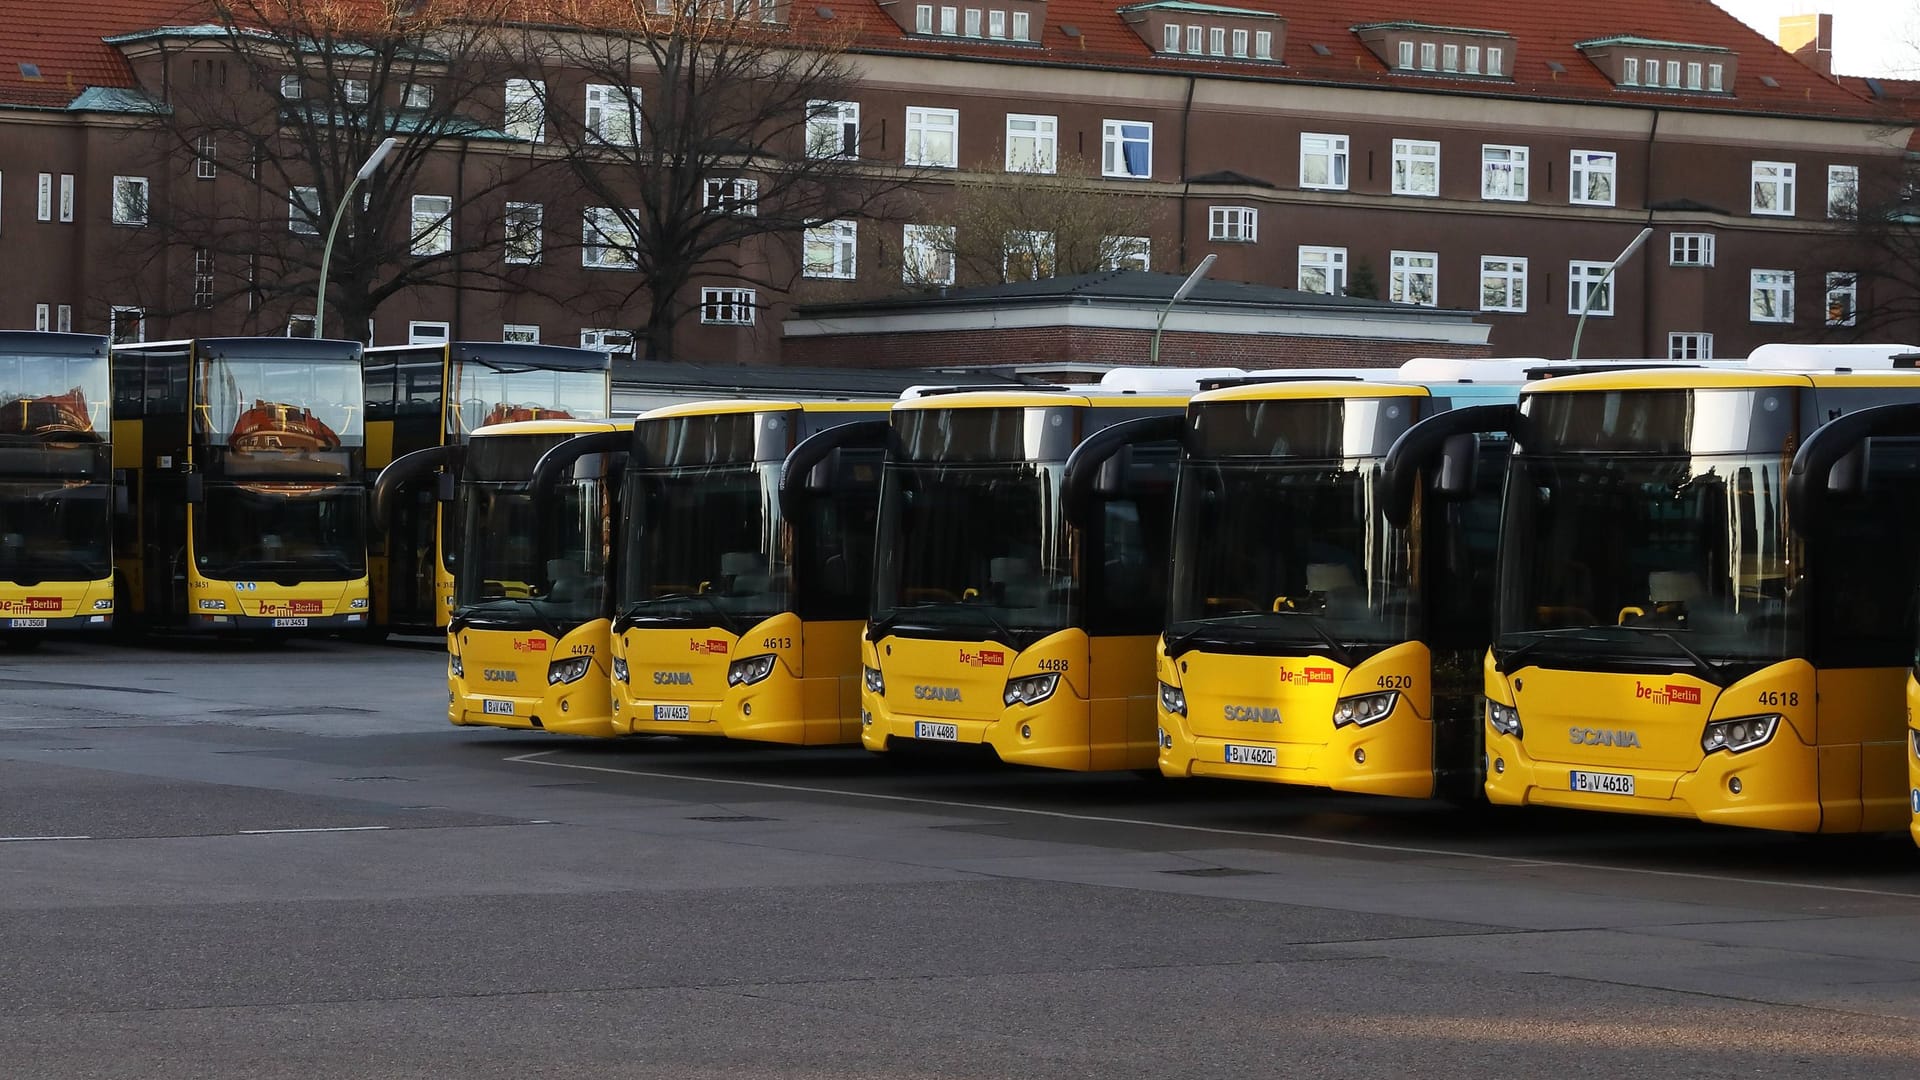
{"type": "Point", "coordinates": [1810, 38]}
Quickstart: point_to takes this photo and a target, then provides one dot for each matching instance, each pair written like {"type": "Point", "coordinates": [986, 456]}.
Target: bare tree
{"type": "Point", "coordinates": [713, 135]}
{"type": "Point", "coordinates": [1876, 293]}
{"type": "Point", "coordinates": [1016, 226]}
{"type": "Point", "coordinates": [283, 104]}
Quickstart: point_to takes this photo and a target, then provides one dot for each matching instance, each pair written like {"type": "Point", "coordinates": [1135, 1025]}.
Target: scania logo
{"type": "Point", "coordinates": [937, 693]}
{"type": "Point", "coordinates": [673, 678]}
{"type": "Point", "coordinates": [1586, 736]}
{"type": "Point", "coordinates": [1253, 714]}
{"type": "Point", "coordinates": [494, 674]}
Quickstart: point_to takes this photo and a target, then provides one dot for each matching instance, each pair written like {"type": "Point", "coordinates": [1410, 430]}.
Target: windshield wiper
{"type": "Point", "coordinates": [1336, 651]}
{"type": "Point", "coordinates": [1507, 664]}
{"type": "Point", "coordinates": [893, 618]}
{"type": "Point", "coordinates": [720, 614]}
{"type": "Point", "coordinates": [1709, 670]}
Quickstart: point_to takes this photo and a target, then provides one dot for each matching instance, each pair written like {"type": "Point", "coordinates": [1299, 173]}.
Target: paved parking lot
{"type": "Point", "coordinates": [283, 862]}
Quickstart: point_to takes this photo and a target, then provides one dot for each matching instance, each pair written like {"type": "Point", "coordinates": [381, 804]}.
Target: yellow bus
{"type": "Point", "coordinates": [744, 572]}
{"type": "Point", "coordinates": [1021, 574]}
{"type": "Point", "coordinates": [246, 495]}
{"type": "Point", "coordinates": [1316, 634]}
{"type": "Point", "coordinates": [423, 402]}
{"type": "Point", "coordinates": [527, 642]}
{"type": "Point", "coordinates": [56, 486]}
{"type": "Point", "coordinates": [1672, 634]}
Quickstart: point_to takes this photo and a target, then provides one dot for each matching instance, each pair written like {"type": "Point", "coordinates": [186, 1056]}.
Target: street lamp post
{"type": "Point", "coordinates": [1594, 289]}
{"type": "Point", "coordinates": [326, 252]}
{"type": "Point", "coordinates": [1179, 294]}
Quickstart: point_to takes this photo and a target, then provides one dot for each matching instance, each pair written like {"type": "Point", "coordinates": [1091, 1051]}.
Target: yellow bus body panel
{"type": "Point", "coordinates": [677, 682]}
{"type": "Point", "coordinates": [1099, 717]}
{"type": "Point", "coordinates": [511, 666]}
{"type": "Point", "coordinates": [1913, 756]}
{"type": "Point", "coordinates": [1286, 703]}
{"type": "Point", "coordinates": [57, 605]}
{"type": "Point", "coordinates": [218, 604]}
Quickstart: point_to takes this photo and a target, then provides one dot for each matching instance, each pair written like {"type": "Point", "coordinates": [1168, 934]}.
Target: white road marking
{"type": "Point", "coordinates": [337, 828]}
{"type": "Point", "coordinates": [32, 839]}
{"type": "Point", "coordinates": [1213, 830]}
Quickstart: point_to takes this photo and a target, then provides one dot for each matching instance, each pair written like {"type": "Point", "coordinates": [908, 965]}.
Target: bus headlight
{"type": "Point", "coordinates": [1505, 719]}
{"type": "Point", "coordinates": [572, 669]}
{"type": "Point", "coordinates": [453, 665]}
{"type": "Point", "coordinates": [619, 669]}
{"type": "Point", "coordinates": [1363, 709]}
{"type": "Point", "coordinates": [875, 684]}
{"type": "Point", "coordinates": [358, 603]}
{"type": "Point", "coordinates": [1739, 734]}
{"type": "Point", "coordinates": [1030, 689]}
{"type": "Point", "coordinates": [750, 670]}
{"type": "Point", "coordinates": [1173, 699]}
{"type": "Point", "coordinates": [1916, 742]}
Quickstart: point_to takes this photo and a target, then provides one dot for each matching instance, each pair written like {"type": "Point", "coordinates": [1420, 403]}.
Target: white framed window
{"type": "Point", "coordinates": [1589, 288]}
{"type": "Point", "coordinates": [1233, 224]}
{"type": "Point", "coordinates": [1591, 181]}
{"type": "Point", "coordinates": [833, 129]}
{"type": "Point", "coordinates": [63, 318]}
{"type": "Point", "coordinates": [1196, 36]}
{"type": "Point", "coordinates": [1022, 26]}
{"type": "Point", "coordinates": [1029, 255]}
{"type": "Point", "coordinates": [302, 326]}
{"type": "Point", "coordinates": [1406, 55]}
{"type": "Point", "coordinates": [996, 24]}
{"type": "Point", "coordinates": [1126, 148]}
{"type": "Point", "coordinates": [732, 195]}
{"type": "Point", "coordinates": [1690, 249]}
{"type": "Point", "coordinates": [1630, 71]}
{"type": "Point", "coordinates": [769, 11]}
{"type": "Point", "coordinates": [520, 333]}
{"type": "Point", "coordinates": [1843, 298]}
{"type": "Point", "coordinates": [66, 196]}
{"type": "Point", "coordinates": [303, 211]}
{"type": "Point", "coordinates": [416, 96]}
{"type": "Point", "coordinates": [606, 243]}
{"type": "Point", "coordinates": [432, 223]}
{"type": "Point", "coordinates": [355, 91]}
{"type": "Point", "coordinates": [126, 324]}
{"type": "Point", "coordinates": [1693, 75]}
{"type": "Point", "coordinates": [933, 137]}
{"type": "Point", "coordinates": [1323, 270]}
{"type": "Point", "coordinates": [1416, 167]}
{"type": "Point", "coordinates": [1715, 73]}
{"type": "Point", "coordinates": [290, 88]}
{"type": "Point", "coordinates": [973, 22]}
{"type": "Point", "coordinates": [1503, 172]}
{"type": "Point", "coordinates": [923, 19]}
{"type": "Point", "coordinates": [1240, 43]}
{"type": "Point", "coordinates": [526, 112]}
{"type": "Point", "coordinates": [1263, 44]}
{"type": "Point", "coordinates": [727, 307]}
{"type": "Point", "coordinates": [1450, 58]}
{"type": "Point", "coordinates": [202, 277]}
{"type": "Point", "coordinates": [1673, 74]}
{"type": "Point", "coordinates": [950, 21]}
{"type": "Point", "coordinates": [1689, 345]}
{"type": "Point", "coordinates": [1494, 61]}
{"type": "Point", "coordinates": [130, 200]}
{"type": "Point", "coordinates": [42, 317]}
{"type": "Point", "coordinates": [1170, 38]}
{"type": "Point", "coordinates": [830, 250]}
{"type": "Point", "coordinates": [1323, 161]}
{"type": "Point", "coordinates": [1032, 143]}
{"type": "Point", "coordinates": [926, 255]}
{"type": "Point", "coordinates": [522, 239]}
{"type": "Point", "coordinates": [205, 155]}
{"type": "Point", "coordinates": [44, 209]}
{"type": "Point", "coordinates": [1843, 190]}
{"type": "Point", "coordinates": [1413, 277]}
{"type": "Point", "coordinates": [1217, 41]}
{"type": "Point", "coordinates": [1650, 68]}
{"type": "Point", "coordinates": [1773, 184]}
{"type": "Point", "coordinates": [1127, 253]}
{"type": "Point", "coordinates": [611, 114]}
{"type": "Point", "coordinates": [619, 343]}
{"type": "Point", "coordinates": [428, 333]}
{"type": "Point", "coordinates": [1470, 60]}
{"type": "Point", "coordinates": [1429, 56]}
{"type": "Point", "coordinates": [1503, 283]}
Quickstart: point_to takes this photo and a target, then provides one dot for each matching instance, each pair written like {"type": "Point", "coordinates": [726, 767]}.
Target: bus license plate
{"type": "Point", "coordinates": [1602, 783]}
{"type": "Point", "coordinates": [673, 712]}
{"type": "Point", "coordinates": [26, 624]}
{"type": "Point", "coordinates": [496, 707]}
{"type": "Point", "coordinates": [288, 624]}
{"type": "Point", "coordinates": [1253, 755]}
{"type": "Point", "coordinates": [938, 732]}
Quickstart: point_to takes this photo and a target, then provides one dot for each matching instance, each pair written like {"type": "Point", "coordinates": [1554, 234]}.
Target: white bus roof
{"type": "Point", "coordinates": [1782, 357]}
{"type": "Point", "coordinates": [1164, 379]}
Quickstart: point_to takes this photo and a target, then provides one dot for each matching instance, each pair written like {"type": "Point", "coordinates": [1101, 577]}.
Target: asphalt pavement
{"type": "Point", "coordinates": [276, 862]}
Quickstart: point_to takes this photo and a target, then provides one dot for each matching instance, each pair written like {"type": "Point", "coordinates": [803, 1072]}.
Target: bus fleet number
{"type": "Point", "coordinates": [1395, 682]}
{"type": "Point", "coordinates": [1779, 697]}
{"type": "Point", "coordinates": [777, 643]}
{"type": "Point", "coordinates": [1052, 665]}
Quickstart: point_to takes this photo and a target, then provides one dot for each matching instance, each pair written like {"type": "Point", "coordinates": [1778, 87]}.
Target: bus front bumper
{"type": "Point", "coordinates": [292, 625]}
{"type": "Point", "coordinates": [577, 708]}
{"type": "Point", "coordinates": [1054, 734]}
{"type": "Point", "coordinates": [1393, 756]}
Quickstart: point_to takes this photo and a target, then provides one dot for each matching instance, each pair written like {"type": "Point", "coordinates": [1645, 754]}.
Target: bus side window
{"type": "Point", "coordinates": [1862, 586]}
{"type": "Point", "coordinates": [380, 381]}
{"type": "Point", "coordinates": [1462, 536]}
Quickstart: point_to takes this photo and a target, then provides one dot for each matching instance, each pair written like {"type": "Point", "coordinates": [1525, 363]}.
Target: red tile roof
{"type": "Point", "coordinates": [65, 42]}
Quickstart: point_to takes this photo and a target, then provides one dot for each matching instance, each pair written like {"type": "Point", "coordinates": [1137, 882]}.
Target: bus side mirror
{"type": "Point", "coordinates": [122, 492]}
{"type": "Point", "coordinates": [1849, 475]}
{"type": "Point", "coordinates": [1458, 465]}
{"type": "Point", "coordinates": [1110, 482]}
{"type": "Point", "coordinates": [443, 486]}
{"type": "Point", "coordinates": [196, 489]}
{"type": "Point", "coordinates": [820, 477]}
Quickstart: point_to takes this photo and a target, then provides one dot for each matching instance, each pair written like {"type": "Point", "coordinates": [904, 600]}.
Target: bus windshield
{"type": "Point", "coordinates": [1289, 554]}
{"type": "Point", "coordinates": [705, 546]}
{"type": "Point", "coordinates": [529, 569]}
{"type": "Point", "coordinates": [979, 550]}
{"type": "Point", "coordinates": [53, 398]}
{"type": "Point", "coordinates": [53, 531]}
{"type": "Point", "coordinates": [489, 394]}
{"type": "Point", "coordinates": [312, 532]}
{"type": "Point", "coordinates": [253, 404]}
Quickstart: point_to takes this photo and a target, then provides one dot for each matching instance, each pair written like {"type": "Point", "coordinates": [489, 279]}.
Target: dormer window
{"type": "Point", "coordinates": [1172, 43]}
{"type": "Point", "coordinates": [1426, 56]}
{"type": "Point", "coordinates": [1630, 71]}
{"type": "Point", "coordinates": [1493, 62]}
{"type": "Point", "coordinates": [1193, 39]}
{"type": "Point", "coordinates": [1197, 29]}
{"type": "Point", "coordinates": [1473, 59]}
{"type": "Point", "coordinates": [1406, 55]}
{"type": "Point", "coordinates": [1449, 58]}
{"type": "Point", "coordinates": [1239, 43]}
{"type": "Point", "coordinates": [1445, 50]}
{"type": "Point", "coordinates": [1641, 63]}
